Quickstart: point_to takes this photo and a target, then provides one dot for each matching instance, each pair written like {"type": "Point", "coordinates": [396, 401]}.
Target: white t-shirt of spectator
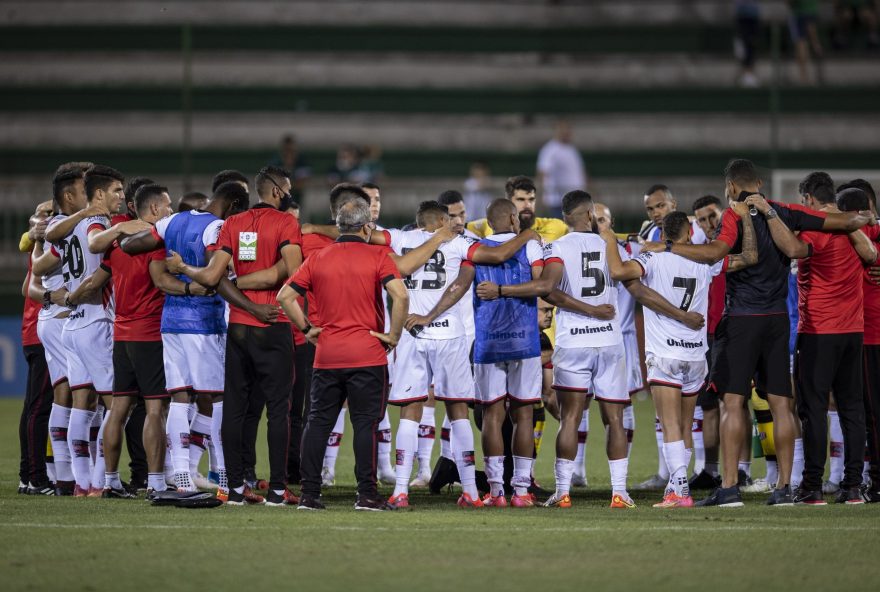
{"type": "Point", "coordinates": [563, 170]}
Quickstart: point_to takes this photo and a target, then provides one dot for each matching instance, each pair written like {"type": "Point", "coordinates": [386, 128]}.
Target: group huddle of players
{"type": "Point", "coordinates": [508, 316]}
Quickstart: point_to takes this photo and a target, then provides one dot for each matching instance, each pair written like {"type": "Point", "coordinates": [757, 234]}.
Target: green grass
{"type": "Point", "coordinates": [89, 544]}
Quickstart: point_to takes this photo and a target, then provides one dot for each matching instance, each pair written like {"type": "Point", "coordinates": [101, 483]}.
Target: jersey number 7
{"type": "Point", "coordinates": [689, 285]}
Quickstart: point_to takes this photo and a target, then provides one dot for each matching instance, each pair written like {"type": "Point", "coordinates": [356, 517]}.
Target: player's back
{"type": "Point", "coordinates": [78, 263]}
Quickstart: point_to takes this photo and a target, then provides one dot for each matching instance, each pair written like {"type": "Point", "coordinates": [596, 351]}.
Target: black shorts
{"type": "Point", "coordinates": [752, 347]}
{"type": "Point", "coordinates": [138, 369]}
{"type": "Point", "coordinates": [708, 397]}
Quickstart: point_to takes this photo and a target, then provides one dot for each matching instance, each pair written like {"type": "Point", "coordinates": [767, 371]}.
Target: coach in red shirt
{"type": "Point", "coordinates": [346, 280]}
{"type": "Point", "coordinates": [258, 355]}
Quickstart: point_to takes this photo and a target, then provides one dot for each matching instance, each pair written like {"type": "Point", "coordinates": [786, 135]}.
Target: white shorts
{"type": "Point", "coordinates": [689, 376]}
{"type": "Point", "coordinates": [392, 358]}
{"type": "Point", "coordinates": [599, 371]}
{"type": "Point", "coordinates": [50, 333]}
{"type": "Point", "coordinates": [634, 382]}
{"type": "Point", "coordinates": [518, 379]}
{"type": "Point", "coordinates": [90, 356]}
{"type": "Point", "coordinates": [194, 362]}
{"type": "Point", "coordinates": [423, 362]}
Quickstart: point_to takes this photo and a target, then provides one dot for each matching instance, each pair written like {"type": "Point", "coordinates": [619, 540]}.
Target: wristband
{"type": "Point", "coordinates": [306, 329]}
{"type": "Point", "coordinates": [186, 291]}
{"type": "Point", "coordinates": [499, 291]}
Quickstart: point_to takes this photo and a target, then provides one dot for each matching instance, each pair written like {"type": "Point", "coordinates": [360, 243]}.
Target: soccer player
{"type": "Point", "coordinates": [437, 347]}
{"type": "Point", "coordinates": [350, 359]}
{"type": "Point", "coordinates": [676, 354]}
{"type": "Point", "coordinates": [259, 356]}
{"type": "Point", "coordinates": [659, 201]}
{"type": "Point", "coordinates": [753, 335]}
{"type": "Point", "coordinates": [520, 190]}
{"type": "Point", "coordinates": [194, 200]}
{"type": "Point", "coordinates": [830, 334]}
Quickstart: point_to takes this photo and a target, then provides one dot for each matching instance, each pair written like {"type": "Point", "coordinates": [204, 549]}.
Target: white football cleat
{"type": "Point", "coordinates": [757, 486]}
{"type": "Point", "coordinates": [654, 482]}
{"type": "Point", "coordinates": [328, 478]}
{"type": "Point", "coordinates": [421, 481]}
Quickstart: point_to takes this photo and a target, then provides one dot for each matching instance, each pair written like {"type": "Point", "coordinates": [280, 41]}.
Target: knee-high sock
{"type": "Point", "coordinates": [78, 442]}
{"type": "Point", "coordinates": [463, 447]}
{"type": "Point", "coordinates": [445, 439]}
{"type": "Point", "coordinates": [93, 433]}
{"type": "Point", "coordinates": [797, 467]}
{"type": "Point", "coordinates": [676, 461]}
{"type": "Point", "coordinates": [59, 421]}
{"type": "Point", "coordinates": [217, 441]}
{"type": "Point", "coordinates": [522, 474]}
{"type": "Point", "coordinates": [427, 431]}
{"type": "Point", "coordinates": [618, 469]}
{"type": "Point", "coordinates": [98, 469]}
{"type": "Point", "coordinates": [495, 474]}
{"type": "Point", "coordinates": [629, 424]}
{"type": "Point", "coordinates": [407, 444]}
{"type": "Point", "coordinates": [697, 435]}
{"type": "Point", "coordinates": [199, 437]}
{"type": "Point", "coordinates": [836, 433]}
{"type": "Point", "coordinates": [662, 470]}
{"type": "Point", "coordinates": [178, 433]}
{"type": "Point", "coordinates": [580, 459]}
{"type": "Point", "coordinates": [334, 441]}
{"type": "Point", "coordinates": [383, 448]}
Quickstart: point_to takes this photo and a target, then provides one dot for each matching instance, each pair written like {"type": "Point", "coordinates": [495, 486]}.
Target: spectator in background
{"type": "Point", "coordinates": [351, 167]}
{"type": "Point", "coordinates": [851, 14]}
{"type": "Point", "coordinates": [477, 189]}
{"type": "Point", "coordinates": [748, 26]}
{"type": "Point", "coordinates": [803, 25]}
{"type": "Point", "coordinates": [560, 169]}
{"type": "Point", "coordinates": [371, 164]}
{"type": "Point", "coordinates": [291, 159]}
{"type": "Point", "coordinates": [194, 200]}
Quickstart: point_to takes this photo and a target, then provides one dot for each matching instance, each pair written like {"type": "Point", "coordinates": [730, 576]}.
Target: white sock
{"type": "Point", "coordinates": [427, 432]}
{"type": "Point", "coordinates": [178, 432]}
{"type": "Point", "coordinates": [580, 459]}
{"type": "Point", "coordinates": [407, 444]}
{"type": "Point", "coordinates": [676, 459]}
{"type": "Point", "coordinates": [563, 470]}
{"type": "Point", "coordinates": [662, 471]}
{"type": "Point", "coordinates": [156, 481]}
{"type": "Point", "coordinates": [383, 448]}
{"type": "Point", "coordinates": [334, 441]}
{"type": "Point", "coordinates": [618, 470]}
{"type": "Point", "coordinates": [112, 481]}
{"type": "Point", "coordinates": [772, 473]}
{"type": "Point", "coordinates": [866, 472]}
{"type": "Point", "coordinates": [169, 466]}
{"type": "Point", "coordinates": [629, 424]}
{"type": "Point", "coordinates": [697, 435]}
{"type": "Point", "coordinates": [78, 442]}
{"type": "Point", "coordinates": [217, 442]}
{"type": "Point", "coordinates": [836, 448]}
{"type": "Point", "coordinates": [797, 466]}
{"type": "Point", "coordinates": [494, 466]}
{"type": "Point", "coordinates": [50, 469]}
{"type": "Point", "coordinates": [97, 418]}
{"type": "Point", "coordinates": [745, 466]}
{"type": "Point", "coordinates": [463, 447]}
{"type": "Point", "coordinates": [445, 444]}
{"type": "Point", "coordinates": [98, 468]}
{"type": "Point", "coordinates": [199, 436]}
{"type": "Point", "coordinates": [59, 420]}
{"type": "Point", "coordinates": [522, 474]}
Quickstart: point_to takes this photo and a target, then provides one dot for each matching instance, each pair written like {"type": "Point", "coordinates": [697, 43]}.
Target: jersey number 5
{"type": "Point", "coordinates": [595, 273]}
{"type": "Point", "coordinates": [689, 285]}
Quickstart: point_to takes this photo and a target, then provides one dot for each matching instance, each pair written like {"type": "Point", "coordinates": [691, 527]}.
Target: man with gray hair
{"type": "Point", "coordinates": [345, 280]}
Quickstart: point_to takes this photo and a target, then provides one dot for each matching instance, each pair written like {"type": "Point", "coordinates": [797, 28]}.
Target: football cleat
{"type": "Point", "coordinates": [522, 501]}
{"type": "Point", "coordinates": [41, 489]}
{"type": "Point", "coordinates": [22, 488]}
{"type": "Point", "coordinates": [328, 479]}
{"type": "Point", "coordinates": [578, 480]}
{"type": "Point", "coordinates": [421, 481]}
{"type": "Point", "coordinates": [723, 497]}
{"type": "Point", "coordinates": [310, 502]}
{"type": "Point", "coordinates": [850, 496]}
{"type": "Point", "coordinates": [653, 483]}
{"type": "Point", "coordinates": [809, 497]}
{"type": "Point", "coordinates": [223, 495]}
{"type": "Point", "coordinates": [284, 499]}
{"type": "Point", "coordinates": [673, 500]}
{"type": "Point", "coordinates": [79, 491]}
{"type": "Point", "coordinates": [757, 486]}
{"type": "Point", "coordinates": [466, 501]}
{"type": "Point", "coordinates": [113, 493]}
{"type": "Point", "coordinates": [558, 501]}
{"type": "Point", "coordinates": [96, 492]}
{"type": "Point", "coordinates": [401, 500]}
{"type": "Point", "coordinates": [372, 504]}
{"type": "Point", "coordinates": [781, 497]}
{"type": "Point", "coordinates": [253, 499]}
{"type": "Point", "coordinates": [622, 501]}
{"type": "Point", "coordinates": [494, 501]}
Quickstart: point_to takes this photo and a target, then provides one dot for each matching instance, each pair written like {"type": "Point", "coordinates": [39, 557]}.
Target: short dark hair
{"type": "Point", "coordinates": [65, 176]}
{"type": "Point", "coordinates": [819, 185]}
{"type": "Point", "coordinates": [864, 186]}
{"type": "Point", "coordinates": [133, 185]}
{"type": "Point", "coordinates": [428, 209]}
{"type": "Point", "coordinates": [706, 201]}
{"type": "Point", "coordinates": [346, 190]}
{"type": "Point", "coordinates": [658, 187]}
{"type": "Point", "coordinates": [227, 176]}
{"type": "Point", "coordinates": [449, 197]}
{"type": "Point", "coordinates": [498, 209]}
{"type": "Point", "coordinates": [269, 176]}
{"type": "Point", "coordinates": [369, 185]}
{"type": "Point", "coordinates": [575, 199]}
{"type": "Point", "coordinates": [674, 224]}
{"type": "Point", "coordinates": [518, 183]}
{"type": "Point", "coordinates": [853, 199]}
{"type": "Point", "coordinates": [146, 195]}
{"type": "Point", "coordinates": [188, 200]}
{"type": "Point", "coordinates": [233, 193]}
{"type": "Point", "coordinates": [99, 176]}
{"type": "Point", "coordinates": [741, 171]}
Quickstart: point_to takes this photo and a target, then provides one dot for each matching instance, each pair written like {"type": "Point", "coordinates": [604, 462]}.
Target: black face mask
{"type": "Point", "coordinates": [286, 202]}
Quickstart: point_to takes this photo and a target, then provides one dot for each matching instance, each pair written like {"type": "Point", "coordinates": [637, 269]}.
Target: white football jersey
{"type": "Point", "coordinates": [79, 263]}
{"type": "Point", "coordinates": [685, 284]}
{"type": "Point", "coordinates": [626, 304]}
{"type": "Point", "coordinates": [427, 285]}
{"type": "Point", "coordinates": [586, 278]}
{"type": "Point", "coordinates": [55, 279]}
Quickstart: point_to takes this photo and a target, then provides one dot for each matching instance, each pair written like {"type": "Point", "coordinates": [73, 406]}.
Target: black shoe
{"type": "Point", "coordinates": [22, 488]}
{"type": "Point", "coordinates": [114, 493]}
{"type": "Point", "coordinates": [41, 489]}
{"type": "Point", "coordinates": [781, 497]}
{"type": "Point", "coordinates": [704, 480]}
{"type": "Point", "coordinates": [64, 488]}
{"type": "Point", "coordinates": [135, 486]}
{"type": "Point", "coordinates": [850, 496]}
{"type": "Point", "coordinates": [723, 497]}
{"type": "Point", "coordinates": [871, 496]}
{"type": "Point", "coordinates": [151, 493]}
{"type": "Point", "coordinates": [743, 480]}
{"type": "Point", "coordinates": [809, 497]}
{"type": "Point", "coordinates": [445, 473]}
{"type": "Point", "coordinates": [310, 502]}
{"type": "Point", "coordinates": [373, 504]}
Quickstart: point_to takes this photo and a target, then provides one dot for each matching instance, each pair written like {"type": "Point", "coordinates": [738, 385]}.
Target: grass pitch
{"type": "Point", "coordinates": [93, 544]}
